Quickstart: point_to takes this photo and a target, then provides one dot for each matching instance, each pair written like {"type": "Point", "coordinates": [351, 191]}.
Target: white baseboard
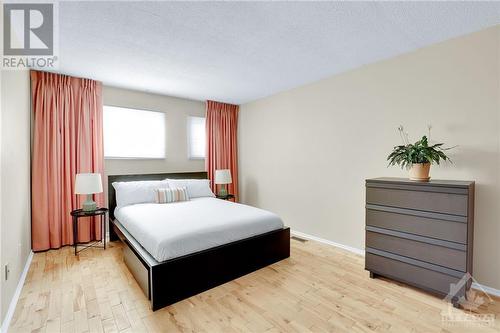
{"type": "Point", "coordinates": [488, 290]}
{"type": "Point", "coordinates": [13, 303]}
{"type": "Point", "coordinates": [328, 242]}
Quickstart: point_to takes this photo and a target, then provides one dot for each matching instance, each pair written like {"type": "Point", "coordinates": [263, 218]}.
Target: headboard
{"type": "Point", "coordinates": [149, 176]}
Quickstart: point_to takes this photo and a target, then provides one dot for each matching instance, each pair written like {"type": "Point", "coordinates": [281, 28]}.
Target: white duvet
{"type": "Point", "coordinates": [172, 230]}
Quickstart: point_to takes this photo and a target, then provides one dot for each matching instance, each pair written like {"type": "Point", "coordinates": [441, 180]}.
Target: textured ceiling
{"type": "Point", "coordinates": [240, 51]}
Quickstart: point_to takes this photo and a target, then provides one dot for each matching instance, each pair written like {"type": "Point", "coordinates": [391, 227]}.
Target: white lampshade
{"type": "Point", "coordinates": [88, 183]}
{"type": "Point", "coordinates": [223, 176]}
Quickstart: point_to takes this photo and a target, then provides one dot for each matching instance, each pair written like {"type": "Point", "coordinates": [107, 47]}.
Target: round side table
{"type": "Point", "coordinates": [78, 213]}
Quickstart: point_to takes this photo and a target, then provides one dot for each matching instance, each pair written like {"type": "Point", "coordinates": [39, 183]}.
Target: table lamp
{"type": "Point", "coordinates": [88, 183]}
{"type": "Point", "coordinates": [223, 177]}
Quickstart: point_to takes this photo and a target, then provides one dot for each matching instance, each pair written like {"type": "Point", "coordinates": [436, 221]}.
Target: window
{"type": "Point", "coordinates": [132, 133]}
{"type": "Point", "coordinates": [196, 137]}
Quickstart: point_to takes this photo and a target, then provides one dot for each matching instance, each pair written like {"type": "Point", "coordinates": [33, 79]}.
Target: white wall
{"type": "Point", "coordinates": [306, 152]}
{"type": "Point", "coordinates": [15, 180]}
{"type": "Point", "coordinates": [177, 110]}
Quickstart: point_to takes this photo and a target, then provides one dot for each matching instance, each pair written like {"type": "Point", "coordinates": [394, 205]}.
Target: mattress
{"type": "Point", "coordinates": [176, 229]}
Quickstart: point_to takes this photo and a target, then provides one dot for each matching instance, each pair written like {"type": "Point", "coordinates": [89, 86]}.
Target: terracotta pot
{"type": "Point", "coordinates": [420, 172]}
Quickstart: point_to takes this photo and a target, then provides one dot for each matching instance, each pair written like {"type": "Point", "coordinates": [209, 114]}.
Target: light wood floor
{"type": "Point", "coordinates": [320, 289]}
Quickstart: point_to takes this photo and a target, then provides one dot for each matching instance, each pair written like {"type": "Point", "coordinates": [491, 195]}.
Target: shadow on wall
{"type": "Point", "coordinates": [471, 160]}
{"type": "Point", "coordinates": [250, 194]}
{"type": "Point", "coordinates": [486, 230]}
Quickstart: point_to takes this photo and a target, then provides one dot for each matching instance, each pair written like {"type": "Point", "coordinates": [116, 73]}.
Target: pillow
{"type": "Point", "coordinates": [129, 193]}
{"type": "Point", "coordinates": [166, 195]}
{"type": "Point", "coordinates": [196, 188]}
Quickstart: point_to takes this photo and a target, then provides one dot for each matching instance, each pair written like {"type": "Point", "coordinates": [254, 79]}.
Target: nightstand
{"type": "Point", "coordinates": [81, 213]}
{"type": "Point", "coordinates": [225, 197]}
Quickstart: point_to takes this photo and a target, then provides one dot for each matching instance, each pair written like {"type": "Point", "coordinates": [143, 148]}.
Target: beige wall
{"type": "Point", "coordinates": [15, 180]}
{"type": "Point", "coordinates": [305, 153]}
{"type": "Point", "coordinates": [177, 110]}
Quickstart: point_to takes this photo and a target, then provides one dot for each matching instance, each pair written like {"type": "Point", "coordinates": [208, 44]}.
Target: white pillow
{"type": "Point", "coordinates": [196, 188]}
{"type": "Point", "coordinates": [129, 193]}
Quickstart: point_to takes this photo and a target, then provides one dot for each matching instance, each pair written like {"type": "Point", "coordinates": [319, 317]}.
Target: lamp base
{"type": "Point", "coordinates": [223, 191]}
{"type": "Point", "coordinates": [89, 205]}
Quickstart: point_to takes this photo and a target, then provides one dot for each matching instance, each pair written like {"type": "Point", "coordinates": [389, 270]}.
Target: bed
{"type": "Point", "coordinates": [175, 260]}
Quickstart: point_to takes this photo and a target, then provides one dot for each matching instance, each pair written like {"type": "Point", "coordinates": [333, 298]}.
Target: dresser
{"type": "Point", "coordinates": [420, 233]}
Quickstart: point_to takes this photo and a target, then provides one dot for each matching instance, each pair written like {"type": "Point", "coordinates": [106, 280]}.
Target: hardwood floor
{"type": "Point", "coordinates": [319, 289]}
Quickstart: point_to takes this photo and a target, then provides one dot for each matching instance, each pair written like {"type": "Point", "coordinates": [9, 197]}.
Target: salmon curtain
{"type": "Point", "coordinates": [67, 139]}
{"type": "Point", "coordinates": [221, 129]}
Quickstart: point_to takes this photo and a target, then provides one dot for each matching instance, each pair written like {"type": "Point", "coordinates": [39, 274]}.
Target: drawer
{"type": "Point", "coordinates": [434, 254]}
{"type": "Point", "coordinates": [417, 276]}
{"type": "Point", "coordinates": [137, 268]}
{"type": "Point", "coordinates": [452, 231]}
{"type": "Point", "coordinates": [439, 202]}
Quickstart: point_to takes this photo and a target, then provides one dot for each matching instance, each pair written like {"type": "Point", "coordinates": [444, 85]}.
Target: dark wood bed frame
{"type": "Point", "coordinates": [170, 281]}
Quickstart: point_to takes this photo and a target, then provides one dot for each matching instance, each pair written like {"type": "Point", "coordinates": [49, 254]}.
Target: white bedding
{"type": "Point", "coordinates": [172, 230]}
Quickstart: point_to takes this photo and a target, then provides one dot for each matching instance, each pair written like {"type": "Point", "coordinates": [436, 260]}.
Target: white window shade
{"type": "Point", "coordinates": [132, 133]}
{"type": "Point", "coordinates": [196, 137]}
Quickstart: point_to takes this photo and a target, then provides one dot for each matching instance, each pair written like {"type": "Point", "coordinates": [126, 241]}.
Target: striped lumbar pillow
{"type": "Point", "coordinates": [166, 195]}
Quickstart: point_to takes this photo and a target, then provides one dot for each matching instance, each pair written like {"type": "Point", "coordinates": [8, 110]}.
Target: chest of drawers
{"type": "Point", "coordinates": [420, 233]}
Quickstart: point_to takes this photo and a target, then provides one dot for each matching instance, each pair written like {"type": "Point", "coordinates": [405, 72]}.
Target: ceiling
{"type": "Point", "coordinates": [237, 52]}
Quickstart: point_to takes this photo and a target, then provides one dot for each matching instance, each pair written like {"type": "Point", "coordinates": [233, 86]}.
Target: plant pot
{"type": "Point", "coordinates": [420, 172]}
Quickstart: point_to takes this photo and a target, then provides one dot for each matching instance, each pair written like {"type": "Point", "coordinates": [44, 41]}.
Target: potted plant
{"type": "Point", "coordinates": [417, 157]}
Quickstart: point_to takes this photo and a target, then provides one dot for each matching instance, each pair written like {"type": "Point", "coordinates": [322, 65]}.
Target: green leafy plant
{"type": "Point", "coordinates": [419, 152]}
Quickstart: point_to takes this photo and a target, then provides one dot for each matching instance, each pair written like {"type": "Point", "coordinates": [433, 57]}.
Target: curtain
{"type": "Point", "coordinates": [221, 128]}
{"type": "Point", "coordinates": [67, 139]}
